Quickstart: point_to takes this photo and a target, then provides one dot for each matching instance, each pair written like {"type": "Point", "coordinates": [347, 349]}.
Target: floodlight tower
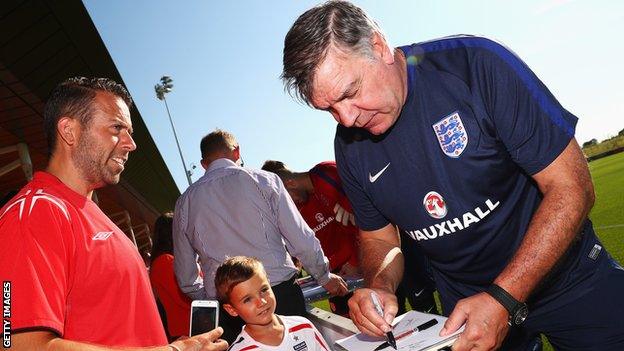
{"type": "Point", "coordinates": [165, 86]}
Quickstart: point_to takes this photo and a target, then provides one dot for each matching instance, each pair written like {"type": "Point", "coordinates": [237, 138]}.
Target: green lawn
{"type": "Point", "coordinates": [607, 214]}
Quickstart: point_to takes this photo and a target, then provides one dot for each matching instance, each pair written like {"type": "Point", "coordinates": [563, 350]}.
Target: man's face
{"type": "Point", "coordinates": [253, 300]}
{"type": "Point", "coordinates": [105, 142]}
{"type": "Point", "coordinates": [297, 193]}
{"type": "Point", "coordinates": [360, 91]}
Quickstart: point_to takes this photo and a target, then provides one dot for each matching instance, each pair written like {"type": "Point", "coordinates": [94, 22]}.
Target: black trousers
{"type": "Point", "coordinates": [290, 302]}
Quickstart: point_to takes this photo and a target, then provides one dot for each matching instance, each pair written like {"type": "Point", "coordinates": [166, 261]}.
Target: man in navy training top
{"type": "Point", "coordinates": [456, 142]}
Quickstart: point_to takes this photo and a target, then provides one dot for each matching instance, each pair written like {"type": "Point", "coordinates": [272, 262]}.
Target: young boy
{"type": "Point", "coordinates": [244, 290]}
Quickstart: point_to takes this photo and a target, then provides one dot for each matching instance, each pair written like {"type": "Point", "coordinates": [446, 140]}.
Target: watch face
{"type": "Point", "coordinates": [521, 314]}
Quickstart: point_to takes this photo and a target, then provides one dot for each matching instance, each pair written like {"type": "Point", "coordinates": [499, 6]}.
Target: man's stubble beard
{"type": "Point", "coordinates": [88, 154]}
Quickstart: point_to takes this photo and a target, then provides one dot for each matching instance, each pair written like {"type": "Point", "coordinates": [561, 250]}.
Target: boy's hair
{"type": "Point", "coordinates": [233, 271]}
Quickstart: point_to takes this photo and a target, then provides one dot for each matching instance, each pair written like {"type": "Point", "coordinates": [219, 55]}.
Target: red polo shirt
{"type": "Point", "coordinates": [73, 271]}
{"type": "Point", "coordinates": [339, 242]}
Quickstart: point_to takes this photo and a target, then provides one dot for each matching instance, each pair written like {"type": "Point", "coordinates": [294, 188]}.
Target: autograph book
{"type": "Point", "coordinates": [413, 331]}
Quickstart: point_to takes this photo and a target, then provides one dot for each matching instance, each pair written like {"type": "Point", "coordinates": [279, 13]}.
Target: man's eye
{"type": "Point", "coordinates": [246, 300]}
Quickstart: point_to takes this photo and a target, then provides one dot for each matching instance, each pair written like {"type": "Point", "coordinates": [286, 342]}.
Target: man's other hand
{"type": "Point", "coordinates": [486, 323]}
{"type": "Point", "coordinates": [336, 286]}
{"type": "Point", "coordinates": [203, 342]}
{"type": "Point", "coordinates": [364, 315]}
{"type": "Point", "coordinates": [348, 270]}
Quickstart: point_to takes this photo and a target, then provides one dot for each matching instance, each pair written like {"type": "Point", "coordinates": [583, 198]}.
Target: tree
{"type": "Point", "coordinates": [590, 143]}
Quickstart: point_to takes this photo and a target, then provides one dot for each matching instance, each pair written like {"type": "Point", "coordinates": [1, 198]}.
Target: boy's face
{"type": "Point", "coordinates": [252, 300]}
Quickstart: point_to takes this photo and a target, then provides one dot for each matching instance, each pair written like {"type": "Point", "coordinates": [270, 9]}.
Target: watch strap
{"type": "Point", "coordinates": [504, 298]}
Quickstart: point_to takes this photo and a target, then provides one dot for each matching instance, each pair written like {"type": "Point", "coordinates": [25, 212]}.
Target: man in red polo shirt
{"type": "Point", "coordinates": [323, 205]}
{"type": "Point", "coordinates": [76, 281]}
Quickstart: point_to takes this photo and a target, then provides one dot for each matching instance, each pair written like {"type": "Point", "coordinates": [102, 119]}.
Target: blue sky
{"type": "Point", "coordinates": [225, 59]}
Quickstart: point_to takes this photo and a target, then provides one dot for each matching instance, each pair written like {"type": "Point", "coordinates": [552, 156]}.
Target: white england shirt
{"type": "Point", "coordinates": [299, 335]}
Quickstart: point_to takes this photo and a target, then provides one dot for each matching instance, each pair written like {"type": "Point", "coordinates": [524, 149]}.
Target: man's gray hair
{"type": "Point", "coordinates": [340, 24]}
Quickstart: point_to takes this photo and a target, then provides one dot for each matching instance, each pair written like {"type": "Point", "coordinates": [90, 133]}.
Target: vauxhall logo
{"type": "Point", "coordinates": [452, 225]}
{"type": "Point", "coordinates": [435, 205]}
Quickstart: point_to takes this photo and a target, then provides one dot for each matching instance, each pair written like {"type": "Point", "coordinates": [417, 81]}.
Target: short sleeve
{"type": "Point", "coordinates": [367, 216]}
{"type": "Point", "coordinates": [527, 118]}
{"type": "Point", "coordinates": [38, 249]}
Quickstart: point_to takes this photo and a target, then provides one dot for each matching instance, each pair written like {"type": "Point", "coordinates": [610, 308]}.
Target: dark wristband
{"type": "Point", "coordinates": [518, 311]}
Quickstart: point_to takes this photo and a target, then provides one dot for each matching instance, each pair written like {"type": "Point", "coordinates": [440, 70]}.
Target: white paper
{"type": "Point", "coordinates": [420, 340]}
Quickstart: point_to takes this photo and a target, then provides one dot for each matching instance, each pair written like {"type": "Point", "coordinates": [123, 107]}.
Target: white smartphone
{"type": "Point", "coordinates": [204, 316]}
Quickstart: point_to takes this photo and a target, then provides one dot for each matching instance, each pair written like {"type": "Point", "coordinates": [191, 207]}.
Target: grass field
{"type": "Point", "coordinates": [607, 214]}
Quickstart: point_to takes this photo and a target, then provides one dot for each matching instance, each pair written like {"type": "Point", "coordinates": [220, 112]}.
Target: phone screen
{"type": "Point", "coordinates": [203, 319]}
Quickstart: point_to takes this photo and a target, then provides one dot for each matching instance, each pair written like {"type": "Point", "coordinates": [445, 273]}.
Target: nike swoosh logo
{"type": "Point", "coordinates": [418, 293]}
{"type": "Point", "coordinates": [373, 178]}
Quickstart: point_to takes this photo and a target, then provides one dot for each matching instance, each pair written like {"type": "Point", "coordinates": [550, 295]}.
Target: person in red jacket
{"type": "Point", "coordinates": [177, 305]}
{"type": "Point", "coordinates": [323, 204]}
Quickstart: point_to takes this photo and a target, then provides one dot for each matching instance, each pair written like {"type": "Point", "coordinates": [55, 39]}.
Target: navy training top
{"type": "Point", "coordinates": [454, 171]}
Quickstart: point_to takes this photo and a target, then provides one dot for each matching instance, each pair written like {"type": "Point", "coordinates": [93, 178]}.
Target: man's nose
{"type": "Point", "coordinates": [128, 142]}
{"type": "Point", "coordinates": [347, 114]}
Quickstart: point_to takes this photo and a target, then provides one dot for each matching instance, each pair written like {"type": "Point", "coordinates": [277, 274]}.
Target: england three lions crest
{"type": "Point", "coordinates": [451, 135]}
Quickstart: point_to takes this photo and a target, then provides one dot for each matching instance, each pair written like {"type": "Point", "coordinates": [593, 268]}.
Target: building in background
{"type": "Point", "coordinates": [41, 44]}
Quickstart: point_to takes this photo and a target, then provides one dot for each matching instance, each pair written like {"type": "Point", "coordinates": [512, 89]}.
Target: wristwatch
{"type": "Point", "coordinates": [518, 311]}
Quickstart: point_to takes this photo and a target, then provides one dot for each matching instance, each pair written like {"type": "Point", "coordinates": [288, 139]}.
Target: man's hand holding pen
{"type": "Point", "coordinates": [379, 309]}
{"type": "Point", "coordinates": [364, 315]}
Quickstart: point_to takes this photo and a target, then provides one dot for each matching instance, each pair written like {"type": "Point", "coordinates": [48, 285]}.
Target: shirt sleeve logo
{"type": "Point", "coordinates": [435, 205]}
{"type": "Point", "coordinates": [451, 135]}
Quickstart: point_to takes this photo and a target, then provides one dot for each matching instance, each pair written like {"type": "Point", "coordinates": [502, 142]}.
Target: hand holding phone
{"type": "Point", "coordinates": [204, 316]}
{"type": "Point", "coordinates": [207, 342]}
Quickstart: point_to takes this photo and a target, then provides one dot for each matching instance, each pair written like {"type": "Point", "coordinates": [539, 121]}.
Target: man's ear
{"type": "Point", "coordinates": [381, 48]}
{"type": "Point", "coordinates": [68, 130]}
{"type": "Point", "coordinates": [204, 164]}
{"type": "Point", "coordinates": [236, 152]}
{"type": "Point", "coordinates": [230, 310]}
{"type": "Point", "coordinates": [290, 183]}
